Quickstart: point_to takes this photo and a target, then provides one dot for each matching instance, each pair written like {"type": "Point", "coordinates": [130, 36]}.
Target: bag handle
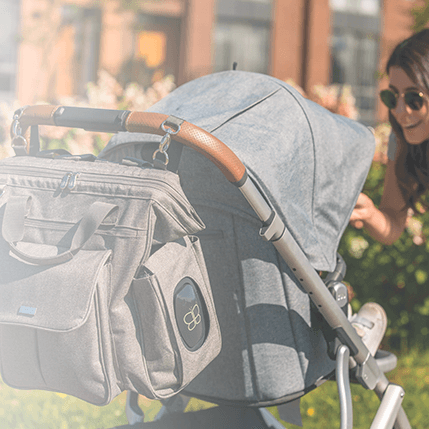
{"type": "Point", "coordinates": [13, 229]}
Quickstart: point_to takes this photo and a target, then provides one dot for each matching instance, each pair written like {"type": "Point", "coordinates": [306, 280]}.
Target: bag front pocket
{"type": "Point", "coordinates": [177, 326]}
{"type": "Point", "coordinates": [54, 326]}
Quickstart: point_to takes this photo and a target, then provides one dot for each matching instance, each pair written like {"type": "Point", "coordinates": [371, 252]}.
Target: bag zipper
{"type": "Point", "coordinates": [121, 231]}
{"type": "Point", "coordinates": [69, 179]}
{"type": "Point", "coordinates": [65, 180]}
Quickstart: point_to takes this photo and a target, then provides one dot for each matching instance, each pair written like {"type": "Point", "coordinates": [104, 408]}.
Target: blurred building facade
{"type": "Point", "coordinates": [51, 49]}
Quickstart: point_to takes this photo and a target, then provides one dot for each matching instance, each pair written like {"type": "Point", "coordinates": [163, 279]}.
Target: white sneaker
{"type": "Point", "coordinates": [370, 323]}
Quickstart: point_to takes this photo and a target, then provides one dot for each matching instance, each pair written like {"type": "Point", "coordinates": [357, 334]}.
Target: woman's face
{"type": "Point", "coordinates": [414, 123]}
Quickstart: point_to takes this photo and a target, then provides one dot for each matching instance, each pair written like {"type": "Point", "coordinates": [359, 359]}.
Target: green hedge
{"type": "Point", "coordinates": [394, 276]}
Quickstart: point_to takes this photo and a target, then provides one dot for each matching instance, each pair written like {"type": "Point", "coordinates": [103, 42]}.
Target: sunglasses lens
{"type": "Point", "coordinates": [414, 100]}
{"type": "Point", "coordinates": [388, 98]}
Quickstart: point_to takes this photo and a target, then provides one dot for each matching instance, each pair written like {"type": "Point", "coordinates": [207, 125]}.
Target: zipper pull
{"type": "Point", "coordinates": [65, 180]}
{"type": "Point", "coordinates": [73, 180]}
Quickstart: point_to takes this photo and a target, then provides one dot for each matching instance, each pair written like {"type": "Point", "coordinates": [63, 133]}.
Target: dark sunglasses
{"type": "Point", "coordinates": [413, 99]}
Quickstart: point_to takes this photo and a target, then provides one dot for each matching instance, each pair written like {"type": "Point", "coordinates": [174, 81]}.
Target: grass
{"type": "Point", "coordinates": [320, 408]}
{"type": "Point", "coordinates": [38, 409]}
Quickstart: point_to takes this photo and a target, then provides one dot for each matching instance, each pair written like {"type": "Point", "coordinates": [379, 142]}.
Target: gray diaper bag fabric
{"type": "Point", "coordinates": [103, 286]}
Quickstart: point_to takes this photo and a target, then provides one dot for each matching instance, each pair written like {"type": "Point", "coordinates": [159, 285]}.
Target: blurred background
{"type": "Point", "coordinates": [128, 54]}
{"type": "Point", "coordinates": [51, 49]}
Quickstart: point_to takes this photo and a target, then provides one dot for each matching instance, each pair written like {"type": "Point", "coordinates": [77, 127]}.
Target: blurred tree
{"type": "Point", "coordinates": [420, 14]}
{"type": "Point", "coordinates": [394, 276]}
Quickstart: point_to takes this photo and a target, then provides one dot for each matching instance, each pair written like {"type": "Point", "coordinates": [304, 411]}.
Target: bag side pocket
{"type": "Point", "coordinates": [156, 335]}
{"type": "Point", "coordinates": [177, 323]}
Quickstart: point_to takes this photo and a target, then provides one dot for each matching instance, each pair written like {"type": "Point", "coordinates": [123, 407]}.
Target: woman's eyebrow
{"type": "Point", "coordinates": [409, 88]}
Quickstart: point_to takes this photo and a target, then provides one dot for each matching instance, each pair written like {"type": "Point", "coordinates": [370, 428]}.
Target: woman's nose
{"type": "Point", "coordinates": [401, 108]}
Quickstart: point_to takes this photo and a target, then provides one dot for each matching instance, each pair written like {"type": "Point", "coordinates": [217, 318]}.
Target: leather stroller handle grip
{"type": "Point", "coordinates": [104, 120]}
{"type": "Point", "coordinates": [34, 115]}
{"type": "Point", "coordinates": [194, 137]}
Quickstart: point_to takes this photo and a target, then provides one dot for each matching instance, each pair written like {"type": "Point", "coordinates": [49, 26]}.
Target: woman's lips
{"type": "Point", "coordinates": [409, 127]}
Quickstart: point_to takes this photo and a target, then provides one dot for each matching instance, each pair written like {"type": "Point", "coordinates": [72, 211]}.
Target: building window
{"type": "Point", "coordinates": [355, 51]}
{"type": "Point", "coordinates": [86, 24]}
{"type": "Point", "coordinates": [155, 52]}
{"type": "Point", "coordinates": [243, 35]}
{"type": "Point", "coordinates": [9, 39]}
{"type": "Point", "coordinates": [360, 7]}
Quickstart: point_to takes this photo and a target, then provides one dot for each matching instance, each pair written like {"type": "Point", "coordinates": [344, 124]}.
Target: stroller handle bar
{"type": "Point", "coordinates": [106, 120]}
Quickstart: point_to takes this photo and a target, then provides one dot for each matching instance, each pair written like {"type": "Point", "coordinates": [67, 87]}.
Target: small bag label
{"type": "Point", "coordinates": [27, 311]}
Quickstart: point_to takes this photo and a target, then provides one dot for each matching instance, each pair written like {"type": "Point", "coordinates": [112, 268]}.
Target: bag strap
{"type": "Point", "coordinates": [13, 229]}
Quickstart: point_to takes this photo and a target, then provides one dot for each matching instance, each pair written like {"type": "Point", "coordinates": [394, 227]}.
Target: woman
{"type": "Point", "coordinates": [407, 174]}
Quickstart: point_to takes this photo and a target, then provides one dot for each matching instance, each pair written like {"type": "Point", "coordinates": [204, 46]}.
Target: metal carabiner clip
{"type": "Point", "coordinates": [163, 147]}
{"type": "Point", "coordinates": [169, 129]}
{"type": "Point", "coordinates": [19, 142]}
{"type": "Point", "coordinates": [165, 142]}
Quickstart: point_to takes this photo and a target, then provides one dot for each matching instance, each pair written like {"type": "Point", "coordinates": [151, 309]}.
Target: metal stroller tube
{"type": "Point", "coordinates": [343, 382]}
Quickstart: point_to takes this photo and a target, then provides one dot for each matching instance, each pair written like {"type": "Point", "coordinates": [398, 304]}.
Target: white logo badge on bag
{"type": "Point", "coordinates": [192, 318]}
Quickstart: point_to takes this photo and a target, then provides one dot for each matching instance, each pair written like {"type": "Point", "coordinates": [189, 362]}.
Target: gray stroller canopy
{"type": "Point", "coordinates": [310, 163]}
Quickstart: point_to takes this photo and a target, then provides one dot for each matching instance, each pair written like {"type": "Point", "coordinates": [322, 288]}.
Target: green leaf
{"type": "Point", "coordinates": [421, 276]}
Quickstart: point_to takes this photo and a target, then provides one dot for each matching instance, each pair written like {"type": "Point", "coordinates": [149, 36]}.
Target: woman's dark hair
{"type": "Point", "coordinates": [412, 167]}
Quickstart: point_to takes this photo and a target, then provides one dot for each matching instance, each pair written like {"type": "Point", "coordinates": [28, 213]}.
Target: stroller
{"type": "Point", "coordinates": [297, 171]}
{"type": "Point", "coordinates": [304, 170]}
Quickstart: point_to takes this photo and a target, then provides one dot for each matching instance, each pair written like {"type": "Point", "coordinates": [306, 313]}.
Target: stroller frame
{"type": "Point", "coordinates": [367, 372]}
{"type": "Point", "coordinates": [351, 352]}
